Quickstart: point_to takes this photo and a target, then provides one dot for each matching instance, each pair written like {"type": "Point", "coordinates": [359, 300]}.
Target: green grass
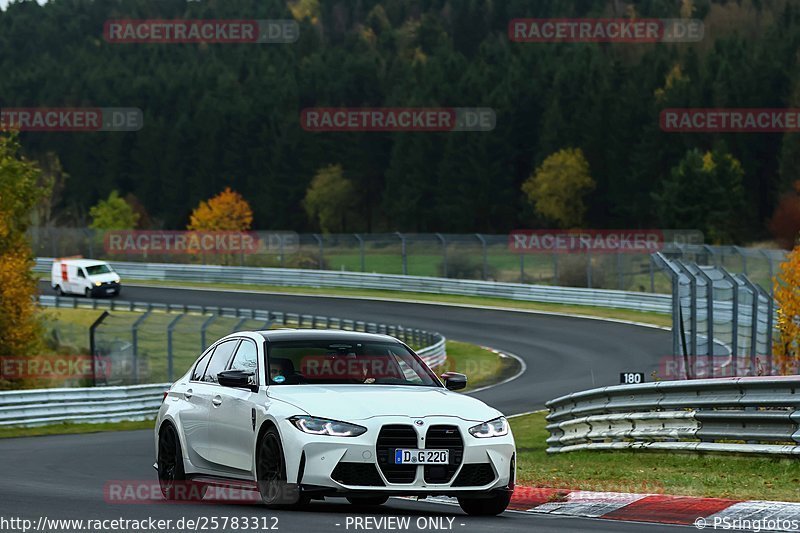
{"type": "Point", "coordinates": [72, 428]}
{"type": "Point", "coordinates": [721, 476]}
{"type": "Point", "coordinates": [657, 319]}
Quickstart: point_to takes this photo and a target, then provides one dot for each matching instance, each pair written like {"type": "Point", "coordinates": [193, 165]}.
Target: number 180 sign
{"type": "Point", "coordinates": [631, 378]}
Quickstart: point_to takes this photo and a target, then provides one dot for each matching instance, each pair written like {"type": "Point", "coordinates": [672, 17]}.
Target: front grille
{"type": "Point", "coordinates": [357, 474]}
{"type": "Point", "coordinates": [475, 475]}
{"type": "Point", "coordinates": [390, 438]}
{"type": "Point", "coordinates": [444, 438]}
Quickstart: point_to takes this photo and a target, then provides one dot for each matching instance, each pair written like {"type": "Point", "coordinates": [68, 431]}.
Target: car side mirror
{"type": "Point", "coordinates": [236, 378]}
{"type": "Point", "coordinates": [454, 380]}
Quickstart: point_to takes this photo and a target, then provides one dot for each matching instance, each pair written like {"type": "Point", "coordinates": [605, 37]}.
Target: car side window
{"type": "Point", "coordinates": [200, 367]}
{"type": "Point", "coordinates": [219, 360]}
{"type": "Point", "coordinates": [80, 273]}
{"type": "Point", "coordinates": [246, 359]}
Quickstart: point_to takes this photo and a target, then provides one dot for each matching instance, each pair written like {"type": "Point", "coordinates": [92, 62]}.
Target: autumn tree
{"type": "Point", "coordinates": [227, 211]}
{"type": "Point", "coordinates": [20, 190]}
{"type": "Point", "coordinates": [329, 199]}
{"type": "Point", "coordinates": [558, 187]}
{"type": "Point", "coordinates": [787, 296]}
{"type": "Point", "coordinates": [113, 213]}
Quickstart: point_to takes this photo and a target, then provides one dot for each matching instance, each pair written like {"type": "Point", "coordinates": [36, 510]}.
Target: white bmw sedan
{"type": "Point", "coordinates": [304, 414]}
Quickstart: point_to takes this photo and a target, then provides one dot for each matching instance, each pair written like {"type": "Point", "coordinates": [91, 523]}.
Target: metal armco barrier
{"type": "Point", "coordinates": [95, 404]}
{"type": "Point", "coordinates": [638, 301]}
{"type": "Point", "coordinates": [758, 415]}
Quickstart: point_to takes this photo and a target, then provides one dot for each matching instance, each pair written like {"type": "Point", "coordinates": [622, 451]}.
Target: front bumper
{"type": "Point", "coordinates": [110, 288]}
{"type": "Point", "coordinates": [350, 465]}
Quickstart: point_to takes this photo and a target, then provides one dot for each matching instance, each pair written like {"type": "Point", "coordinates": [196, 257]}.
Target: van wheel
{"type": "Point", "coordinates": [59, 292]}
{"type": "Point", "coordinates": [87, 293]}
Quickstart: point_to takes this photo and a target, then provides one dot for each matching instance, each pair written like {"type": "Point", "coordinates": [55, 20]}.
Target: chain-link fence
{"type": "Point", "coordinates": [458, 256]}
{"type": "Point", "coordinates": [723, 323]}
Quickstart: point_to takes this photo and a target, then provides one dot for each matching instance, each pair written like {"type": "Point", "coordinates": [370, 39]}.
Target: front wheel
{"type": "Point", "coordinates": [87, 292]}
{"type": "Point", "coordinates": [171, 474]}
{"type": "Point", "coordinates": [491, 506]}
{"type": "Point", "coordinates": [370, 501]}
{"type": "Point", "coordinates": [271, 472]}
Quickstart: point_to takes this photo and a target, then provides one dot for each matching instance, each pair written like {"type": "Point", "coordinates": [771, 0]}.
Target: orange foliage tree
{"type": "Point", "coordinates": [20, 329]}
{"type": "Point", "coordinates": [227, 211]}
{"type": "Point", "coordinates": [787, 296]}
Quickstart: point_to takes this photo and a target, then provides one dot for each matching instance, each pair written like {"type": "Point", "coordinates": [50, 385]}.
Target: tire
{"type": "Point", "coordinates": [59, 291]}
{"type": "Point", "coordinates": [87, 292]}
{"type": "Point", "coordinates": [371, 501]}
{"type": "Point", "coordinates": [494, 505]}
{"type": "Point", "coordinates": [171, 473]}
{"type": "Point", "coordinates": [271, 473]}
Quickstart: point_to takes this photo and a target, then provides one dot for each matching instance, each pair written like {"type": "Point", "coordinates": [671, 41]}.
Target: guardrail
{"type": "Point", "coordinates": [736, 415]}
{"type": "Point", "coordinates": [639, 301]}
{"type": "Point", "coordinates": [96, 404]}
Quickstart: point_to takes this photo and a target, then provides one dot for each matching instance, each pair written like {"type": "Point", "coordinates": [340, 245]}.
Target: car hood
{"type": "Point", "coordinates": [108, 276]}
{"type": "Point", "coordinates": [359, 402]}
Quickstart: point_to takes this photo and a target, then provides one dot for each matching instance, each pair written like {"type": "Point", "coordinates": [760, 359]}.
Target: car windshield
{"type": "Point", "coordinates": [336, 362]}
{"type": "Point", "coordinates": [98, 269]}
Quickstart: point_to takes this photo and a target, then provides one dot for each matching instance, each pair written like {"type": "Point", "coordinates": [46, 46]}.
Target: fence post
{"type": "Point", "coordinates": [483, 248]}
{"type": "Point", "coordinates": [361, 250]}
{"type": "Point", "coordinates": [403, 252]}
{"type": "Point", "coordinates": [522, 268]}
{"type": "Point", "coordinates": [321, 251]}
{"type": "Point", "coordinates": [754, 322]}
{"type": "Point", "coordinates": [744, 258]}
{"type": "Point", "coordinates": [589, 268]}
{"type": "Point", "coordinates": [677, 320]}
{"type": "Point", "coordinates": [770, 325]}
{"type": "Point", "coordinates": [620, 277]}
{"type": "Point", "coordinates": [92, 344]}
{"type": "Point", "coordinates": [693, 311]}
{"type": "Point", "coordinates": [735, 319]}
{"type": "Point", "coordinates": [170, 358]}
{"type": "Point", "coordinates": [444, 253]}
{"type": "Point", "coordinates": [771, 270]}
{"type": "Point", "coordinates": [135, 343]}
{"type": "Point", "coordinates": [710, 318]}
{"type": "Point", "coordinates": [555, 268]}
{"type": "Point", "coordinates": [203, 329]}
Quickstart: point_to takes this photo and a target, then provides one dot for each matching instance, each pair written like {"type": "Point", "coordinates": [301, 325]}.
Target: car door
{"type": "Point", "coordinates": [231, 423]}
{"type": "Point", "coordinates": [199, 395]}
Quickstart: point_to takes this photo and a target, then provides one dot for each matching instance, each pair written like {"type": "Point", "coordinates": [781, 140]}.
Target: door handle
{"type": "Point", "coordinates": [217, 401]}
{"type": "Point", "coordinates": [188, 394]}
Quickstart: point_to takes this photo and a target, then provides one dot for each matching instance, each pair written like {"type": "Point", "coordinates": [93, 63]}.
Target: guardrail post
{"type": "Point", "coordinates": [361, 251]}
{"type": "Point", "coordinates": [321, 259]}
{"type": "Point", "coordinates": [92, 345]}
{"type": "Point", "coordinates": [483, 251]}
{"type": "Point", "coordinates": [444, 253]}
{"type": "Point", "coordinates": [403, 252]}
{"type": "Point", "coordinates": [135, 343]}
{"type": "Point", "coordinates": [170, 358]}
{"type": "Point", "coordinates": [203, 329]}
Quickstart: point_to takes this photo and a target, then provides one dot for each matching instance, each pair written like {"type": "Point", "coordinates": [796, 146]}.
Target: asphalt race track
{"type": "Point", "coordinates": [64, 477]}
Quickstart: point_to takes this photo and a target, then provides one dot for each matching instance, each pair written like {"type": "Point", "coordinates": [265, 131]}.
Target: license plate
{"type": "Point", "coordinates": [421, 457]}
{"type": "Point", "coordinates": [109, 291]}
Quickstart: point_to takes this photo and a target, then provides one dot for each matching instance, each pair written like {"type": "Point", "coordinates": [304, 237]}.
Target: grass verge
{"type": "Point", "coordinates": [721, 476]}
{"type": "Point", "coordinates": [72, 428]}
{"type": "Point", "coordinates": [597, 312]}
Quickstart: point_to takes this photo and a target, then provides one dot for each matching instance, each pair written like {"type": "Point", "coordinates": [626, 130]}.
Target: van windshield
{"type": "Point", "coordinates": [98, 269]}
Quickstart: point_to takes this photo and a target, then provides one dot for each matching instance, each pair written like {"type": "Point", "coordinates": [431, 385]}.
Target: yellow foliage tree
{"type": "Point", "coordinates": [20, 190]}
{"type": "Point", "coordinates": [227, 211]}
{"type": "Point", "coordinates": [557, 187]}
{"type": "Point", "coordinates": [787, 296]}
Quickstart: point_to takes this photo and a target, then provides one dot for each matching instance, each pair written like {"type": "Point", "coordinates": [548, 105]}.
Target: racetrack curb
{"type": "Point", "coordinates": [713, 513]}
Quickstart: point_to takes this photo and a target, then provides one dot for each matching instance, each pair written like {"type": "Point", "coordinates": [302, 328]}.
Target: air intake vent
{"type": "Point", "coordinates": [390, 438]}
{"type": "Point", "coordinates": [444, 438]}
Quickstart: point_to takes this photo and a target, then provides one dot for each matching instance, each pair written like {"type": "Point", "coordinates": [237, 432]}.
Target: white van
{"type": "Point", "coordinates": [84, 276]}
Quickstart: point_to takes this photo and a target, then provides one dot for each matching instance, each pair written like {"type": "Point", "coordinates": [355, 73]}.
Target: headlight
{"type": "Point", "coordinates": [323, 426]}
{"type": "Point", "coordinates": [493, 428]}
{"type": "Point", "coordinates": [97, 283]}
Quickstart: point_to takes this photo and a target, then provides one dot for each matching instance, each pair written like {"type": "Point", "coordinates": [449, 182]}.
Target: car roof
{"type": "Point", "coordinates": [82, 262]}
{"type": "Point", "coordinates": [275, 335]}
